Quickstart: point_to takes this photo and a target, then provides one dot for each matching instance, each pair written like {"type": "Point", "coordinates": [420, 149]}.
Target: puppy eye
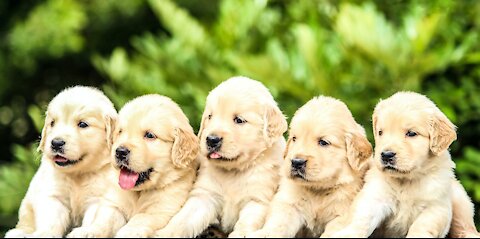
{"type": "Point", "coordinates": [411, 133]}
{"type": "Point", "coordinates": [82, 124]}
{"type": "Point", "coordinates": [52, 123]}
{"type": "Point", "coordinates": [239, 120]}
{"type": "Point", "coordinates": [380, 133]}
{"type": "Point", "coordinates": [150, 135]}
{"type": "Point", "coordinates": [120, 131]}
{"type": "Point", "coordinates": [294, 138]}
{"type": "Point", "coordinates": [210, 116]}
{"type": "Point", "coordinates": [323, 142]}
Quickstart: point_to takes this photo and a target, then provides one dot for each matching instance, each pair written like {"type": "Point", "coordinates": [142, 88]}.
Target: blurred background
{"type": "Point", "coordinates": [357, 51]}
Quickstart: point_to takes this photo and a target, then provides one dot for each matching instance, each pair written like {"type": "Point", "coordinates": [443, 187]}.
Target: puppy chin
{"type": "Point", "coordinates": [394, 170]}
{"type": "Point", "coordinates": [132, 179]}
{"type": "Point", "coordinates": [219, 156]}
{"type": "Point", "coordinates": [62, 160]}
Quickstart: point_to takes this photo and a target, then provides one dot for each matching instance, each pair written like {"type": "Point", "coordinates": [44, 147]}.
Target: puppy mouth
{"type": "Point", "coordinates": [217, 156]}
{"type": "Point", "coordinates": [63, 161]}
{"type": "Point", "coordinates": [300, 174]}
{"type": "Point", "coordinates": [392, 168]}
{"type": "Point", "coordinates": [129, 179]}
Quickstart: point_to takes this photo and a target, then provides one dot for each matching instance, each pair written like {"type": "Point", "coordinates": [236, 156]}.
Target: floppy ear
{"type": "Point", "coordinates": [442, 133]}
{"type": "Point", "coordinates": [374, 124]}
{"type": "Point", "coordinates": [43, 137]}
{"type": "Point", "coordinates": [185, 148]}
{"type": "Point", "coordinates": [110, 122]}
{"type": "Point", "coordinates": [374, 117]}
{"type": "Point", "coordinates": [202, 123]}
{"type": "Point", "coordinates": [275, 125]}
{"type": "Point", "coordinates": [285, 153]}
{"type": "Point", "coordinates": [359, 150]}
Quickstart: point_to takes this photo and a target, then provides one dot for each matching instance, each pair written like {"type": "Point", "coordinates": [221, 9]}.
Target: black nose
{"type": "Point", "coordinates": [388, 157]}
{"type": "Point", "coordinates": [57, 144]}
{"type": "Point", "coordinates": [298, 163]}
{"type": "Point", "coordinates": [121, 153]}
{"type": "Point", "coordinates": [214, 141]}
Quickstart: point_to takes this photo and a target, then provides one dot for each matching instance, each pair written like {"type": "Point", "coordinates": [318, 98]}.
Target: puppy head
{"type": "Point", "coordinates": [77, 134]}
{"type": "Point", "coordinates": [240, 121]}
{"type": "Point", "coordinates": [153, 143]}
{"type": "Point", "coordinates": [410, 131]}
{"type": "Point", "coordinates": [326, 147]}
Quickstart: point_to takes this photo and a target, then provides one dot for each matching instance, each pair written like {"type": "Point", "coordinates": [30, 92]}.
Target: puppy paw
{"type": "Point", "coordinates": [238, 234]}
{"type": "Point", "coordinates": [16, 233]}
{"type": "Point", "coordinates": [44, 234]}
{"type": "Point", "coordinates": [344, 234]}
{"type": "Point", "coordinates": [258, 234]}
{"type": "Point", "coordinates": [83, 232]}
{"type": "Point", "coordinates": [163, 233]}
{"type": "Point", "coordinates": [137, 232]}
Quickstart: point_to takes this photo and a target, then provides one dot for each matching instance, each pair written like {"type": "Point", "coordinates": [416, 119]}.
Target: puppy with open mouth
{"type": "Point", "coordinates": [326, 158]}
{"type": "Point", "coordinates": [76, 140]}
{"type": "Point", "coordinates": [411, 191]}
{"type": "Point", "coordinates": [154, 152]}
{"type": "Point", "coordinates": [241, 144]}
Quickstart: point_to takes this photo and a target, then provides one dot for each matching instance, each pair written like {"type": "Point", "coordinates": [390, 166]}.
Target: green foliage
{"type": "Point", "coordinates": [15, 177]}
{"type": "Point", "coordinates": [356, 50]}
{"type": "Point", "coordinates": [37, 36]}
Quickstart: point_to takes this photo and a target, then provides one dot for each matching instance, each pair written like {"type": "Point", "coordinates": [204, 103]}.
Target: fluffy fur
{"type": "Point", "coordinates": [163, 147]}
{"type": "Point", "coordinates": [413, 196]}
{"type": "Point", "coordinates": [313, 197]}
{"type": "Point", "coordinates": [68, 181]}
{"type": "Point", "coordinates": [237, 181]}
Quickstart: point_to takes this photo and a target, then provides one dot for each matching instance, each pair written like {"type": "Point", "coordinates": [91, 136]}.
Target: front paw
{"type": "Point", "coordinates": [238, 234]}
{"type": "Point", "coordinates": [164, 233]}
{"type": "Point", "coordinates": [44, 234]}
{"type": "Point", "coordinates": [17, 233]}
{"type": "Point", "coordinates": [84, 232]}
{"type": "Point", "coordinates": [134, 232]}
{"type": "Point", "coordinates": [345, 233]}
{"type": "Point", "coordinates": [258, 234]}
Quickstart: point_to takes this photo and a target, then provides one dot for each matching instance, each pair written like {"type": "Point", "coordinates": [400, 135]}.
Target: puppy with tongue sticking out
{"type": "Point", "coordinates": [154, 157]}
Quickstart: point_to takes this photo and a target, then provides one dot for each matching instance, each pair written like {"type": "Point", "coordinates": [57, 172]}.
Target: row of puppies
{"type": "Point", "coordinates": [409, 185]}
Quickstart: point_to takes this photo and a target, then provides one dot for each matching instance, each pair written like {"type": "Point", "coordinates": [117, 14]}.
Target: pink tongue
{"type": "Point", "coordinates": [127, 179]}
{"type": "Point", "coordinates": [215, 155]}
{"type": "Point", "coordinates": [60, 159]}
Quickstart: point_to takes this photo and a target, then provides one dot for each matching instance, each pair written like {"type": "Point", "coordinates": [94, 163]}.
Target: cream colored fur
{"type": "Point", "coordinates": [59, 196]}
{"type": "Point", "coordinates": [416, 199]}
{"type": "Point", "coordinates": [236, 190]}
{"type": "Point", "coordinates": [333, 173]}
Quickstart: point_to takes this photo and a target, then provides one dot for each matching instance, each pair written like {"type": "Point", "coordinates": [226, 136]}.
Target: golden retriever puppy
{"type": "Point", "coordinates": [409, 192]}
{"type": "Point", "coordinates": [154, 153]}
{"type": "Point", "coordinates": [75, 144]}
{"type": "Point", "coordinates": [325, 161]}
{"type": "Point", "coordinates": [241, 144]}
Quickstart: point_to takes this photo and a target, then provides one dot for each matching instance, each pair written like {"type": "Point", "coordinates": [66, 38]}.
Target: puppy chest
{"type": "Point", "coordinates": [405, 213]}
{"type": "Point", "coordinates": [82, 196]}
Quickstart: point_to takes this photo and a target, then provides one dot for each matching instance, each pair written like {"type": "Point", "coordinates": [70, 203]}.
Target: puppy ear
{"type": "Point", "coordinates": [43, 136]}
{"type": "Point", "coordinates": [285, 153]}
{"type": "Point", "coordinates": [378, 108]}
{"type": "Point", "coordinates": [442, 133]}
{"type": "Point", "coordinates": [110, 123]}
{"type": "Point", "coordinates": [359, 150]}
{"type": "Point", "coordinates": [374, 124]}
{"type": "Point", "coordinates": [275, 125]}
{"type": "Point", "coordinates": [185, 148]}
{"type": "Point", "coordinates": [202, 123]}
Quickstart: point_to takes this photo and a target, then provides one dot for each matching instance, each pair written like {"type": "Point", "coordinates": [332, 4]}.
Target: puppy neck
{"type": "Point", "coordinates": [273, 154]}
{"type": "Point", "coordinates": [435, 165]}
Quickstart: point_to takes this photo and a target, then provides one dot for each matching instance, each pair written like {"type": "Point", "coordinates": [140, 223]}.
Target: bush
{"type": "Point", "coordinates": [357, 51]}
